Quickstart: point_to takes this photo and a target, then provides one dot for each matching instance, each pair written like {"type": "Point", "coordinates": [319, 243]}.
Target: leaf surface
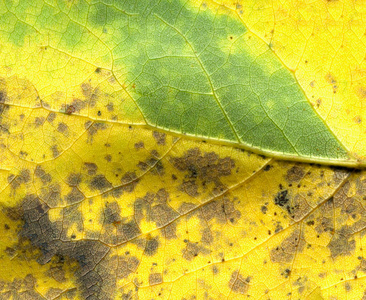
{"type": "Point", "coordinates": [124, 164]}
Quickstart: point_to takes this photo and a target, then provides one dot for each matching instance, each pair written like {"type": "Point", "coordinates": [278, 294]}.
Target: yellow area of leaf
{"type": "Point", "coordinates": [111, 210]}
{"type": "Point", "coordinates": [65, 83]}
{"type": "Point", "coordinates": [323, 43]}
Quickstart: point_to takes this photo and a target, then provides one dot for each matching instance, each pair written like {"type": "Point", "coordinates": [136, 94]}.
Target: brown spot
{"type": "Point", "coordinates": [51, 195]}
{"type": "Point", "coordinates": [239, 284]}
{"type": "Point", "coordinates": [206, 237]}
{"type": "Point", "coordinates": [295, 174]}
{"type": "Point", "coordinates": [206, 168]}
{"type": "Point", "coordinates": [73, 179]}
{"type": "Point", "coordinates": [129, 182]}
{"type": "Point", "coordinates": [331, 80]}
{"type": "Point", "coordinates": [74, 196]}
{"type": "Point", "coordinates": [39, 121]}
{"type": "Point", "coordinates": [324, 225]}
{"type": "Point", "coordinates": [193, 250]}
{"type": "Point", "coordinates": [76, 106]}
{"type": "Point", "coordinates": [94, 128]}
{"type": "Point", "coordinates": [95, 275]}
{"type": "Point", "coordinates": [347, 287]}
{"type": "Point", "coordinates": [110, 106]}
{"type": "Point", "coordinates": [100, 183]}
{"type": "Point", "coordinates": [10, 251]}
{"type": "Point", "coordinates": [190, 188]}
{"type": "Point", "coordinates": [70, 109]}
{"type": "Point", "coordinates": [160, 137]}
{"type": "Point", "coordinates": [223, 210]}
{"type": "Point", "coordinates": [91, 95]}
{"type": "Point", "coordinates": [139, 145]}
{"type": "Point", "coordinates": [91, 168]}
{"type": "Point", "coordinates": [151, 247]}
{"type": "Point", "coordinates": [170, 231]}
{"type": "Point", "coordinates": [108, 158]}
{"type": "Point", "coordinates": [63, 128]}
{"type": "Point", "coordinates": [155, 278]}
{"type": "Point", "coordinates": [285, 252]}
{"type": "Point", "coordinates": [57, 273]}
{"type": "Point", "coordinates": [55, 151]}
{"type": "Point", "coordinates": [154, 207]}
{"type": "Point", "coordinates": [357, 119]}
{"type": "Point", "coordinates": [40, 173]}
{"type": "Point", "coordinates": [112, 213]}
{"type": "Point", "coordinates": [126, 265]}
{"type": "Point", "coordinates": [22, 178]}
{"type": "Point", "coordinates": [342, 242]}
{"type": "Point", "coordinates": [361, 92]}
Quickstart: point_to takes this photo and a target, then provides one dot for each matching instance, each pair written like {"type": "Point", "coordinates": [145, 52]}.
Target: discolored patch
{"type": "Point", "coordinates": [222, 209]}
{"type": "Point", "coordinates": [155, 278]}
{"type": "Point", "coordinates": [129, 182]}
{"type": "Point", "coordinates": [192, 250]}
{"type": "Point", "coordinates": [74, 196]}
{"type": "Point", "coordinates": [139, 145]}
{"type": "Point", "coordinates": [51, 117]}
{"type": "Point", "coordinates": [40, 173]}
{"type": "Point", "coordinates": [93, 128]}
{"type": "Point", "coordinates": [22, 178]}
{"type": "Point", "coordinates": [153, 163]}
{"type": "Point", "coordinates": [39, 121]}
{"type": "Point", "coordinates": [151, 246]}
{"type": "Point", "coordinates": [91, 168]}
{"type": "Point", "coordinates": [112, 213]}
{"type": "Point", "coordinates": [126, 265]}
{"type": "Point", "coordinates": [91, 94]}
{"type": "Point", "coordinates": [282, 199]}
{"type": "Point", "coordinates": [55, 151]}
{"type": "Point", "coordinates": [159, 137]}
{"type": "Point", "coordinates": [154, 207]}
{"type": "Point", "coordinates": [63, 128]}
{"type": "Point", "coordinates": [100, 183]}
{"type": "Point", "coordinates": [238, 283]}
{"type": "Point", "coordinates": [295, 174]}
{"type": "Point", "coordinates": [206, 168]}
{"type": "Point", "coordinates": [285, 252]}
{"type": "Point", "coordinates": [95, 275]}
{"type": "Point", "coordinates": [342, 242]}
{"type": "Point", "coordinates": [73, 179]}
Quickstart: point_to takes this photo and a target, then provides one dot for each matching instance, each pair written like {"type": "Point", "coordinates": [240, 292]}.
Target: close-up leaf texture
{"type": "Point", "coordinates": [182, 149]}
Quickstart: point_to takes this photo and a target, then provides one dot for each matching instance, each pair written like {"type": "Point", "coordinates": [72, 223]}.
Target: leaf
{"type": "Point", "coordinates": [127, 178]}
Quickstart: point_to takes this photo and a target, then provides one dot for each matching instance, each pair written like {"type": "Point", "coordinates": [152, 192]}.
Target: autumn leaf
{"type": "Point", "coordinates": [182, 149]}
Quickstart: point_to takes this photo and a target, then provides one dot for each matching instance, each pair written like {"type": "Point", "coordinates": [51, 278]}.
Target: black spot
{"type": "Point", "coordinates": [267, 168]}
{"type": "Point", "coordinates": [281, 198]}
